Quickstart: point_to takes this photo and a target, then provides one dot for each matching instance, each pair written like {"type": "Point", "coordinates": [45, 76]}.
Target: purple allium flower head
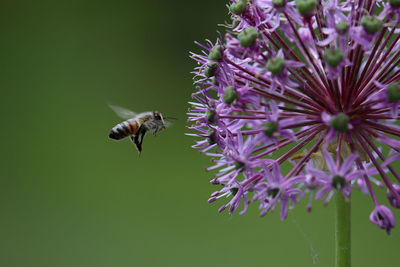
{"type": "Point", "coordinates": [301, 98]}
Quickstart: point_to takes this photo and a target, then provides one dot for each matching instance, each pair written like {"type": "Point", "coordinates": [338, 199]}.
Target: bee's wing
{"type": "Point", "coordinates": [123, 112]}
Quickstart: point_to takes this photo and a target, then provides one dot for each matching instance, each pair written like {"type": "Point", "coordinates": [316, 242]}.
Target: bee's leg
{"type": "Point", "coordinates": [159, 128]}
{"type": "Point", "coordinates": [141, 137]}
{"type": "Point", "coordinates": [152, 128]}
{"type": "Point", "coordinates": [134, 139]}
{"type": "Point", "coordinates": [138, 138]}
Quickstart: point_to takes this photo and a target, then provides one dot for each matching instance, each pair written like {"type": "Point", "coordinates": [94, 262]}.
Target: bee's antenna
{"type": "Point", "coordinates": [170, 118]}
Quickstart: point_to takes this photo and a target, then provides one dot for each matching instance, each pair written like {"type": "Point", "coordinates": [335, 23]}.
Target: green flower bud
{"type": "Point", "coordinates": [279, 3]}
{"type": "Point", "coordinates": [342, 27]}
{"type": "Point", "coordinates": [210, 116]}
{"type": "Point", "coordinates": [273, 192]}
{"type": "Point", "coordinates": [234, 191]}
{"type": "Point", "coordinates": [333, 57]}
{"type": "Point", "coordinates": [306, 7]}
{"type": "Point", "coordinates": [212, 136]}
{"type": "Point", "coordinates": [340, 122]}
{"type": "Point", "coordinates": [338, 182]}
{"type": "Point", "coordinates": [270, 128]}
{"type": "Point", "coordinates": [393, 93]}
{"type": "Point", "coordinates": [238, 8]}
{"type": "Point", "coordinates": [235, 23]}
{"type": "Point", "coordinates": [276, 65]}
{"type": "Point", "coordinates": [209, 71]}
{"type": "Point", "coordinates": [215, 53]}
{"type": "Point", "coordinates": [248, 36]}
{"type": "Point", "coordinates": [394, 3]}
{"type": "Point", "coordinates": [230, 95]}
{"type": "Point", "coordinates": [371, 24]}
{"type": "Point", "coordinates": [238, 165]}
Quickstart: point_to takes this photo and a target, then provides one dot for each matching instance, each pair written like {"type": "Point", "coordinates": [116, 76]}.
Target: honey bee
{"type": "Point", "coordinates": [136, 125]}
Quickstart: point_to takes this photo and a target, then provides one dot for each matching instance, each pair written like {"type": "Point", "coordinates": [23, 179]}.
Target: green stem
{"type": "Point", "coordinates": [343, 231]}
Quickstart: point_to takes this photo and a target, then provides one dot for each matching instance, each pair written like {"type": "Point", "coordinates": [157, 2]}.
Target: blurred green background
{"type": "Point", "coordinates": [69, 196]}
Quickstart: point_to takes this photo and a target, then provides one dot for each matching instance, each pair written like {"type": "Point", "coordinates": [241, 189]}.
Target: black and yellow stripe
{"type": "Point", "coordinates": [131, 126]}
{"type": "Point", "coordinates": [124, 129]}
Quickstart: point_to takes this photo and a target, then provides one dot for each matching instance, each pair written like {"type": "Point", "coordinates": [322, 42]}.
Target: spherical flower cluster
{"type": "Point", "coordinates": [312, 85]}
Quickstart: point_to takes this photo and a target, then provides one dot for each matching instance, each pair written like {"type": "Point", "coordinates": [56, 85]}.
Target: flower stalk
{"type": "Point", "coordinates": [342, 231]}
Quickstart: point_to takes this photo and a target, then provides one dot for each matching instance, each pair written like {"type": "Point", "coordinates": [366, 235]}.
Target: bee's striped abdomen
{"type": "Point", "coordinates": [124, 129]}
{"type": "Point", "coordinates": [132, 125]}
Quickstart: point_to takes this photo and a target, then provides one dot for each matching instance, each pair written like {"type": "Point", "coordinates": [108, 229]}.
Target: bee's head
{"type": "Point", "coordinates": [157, 116]}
